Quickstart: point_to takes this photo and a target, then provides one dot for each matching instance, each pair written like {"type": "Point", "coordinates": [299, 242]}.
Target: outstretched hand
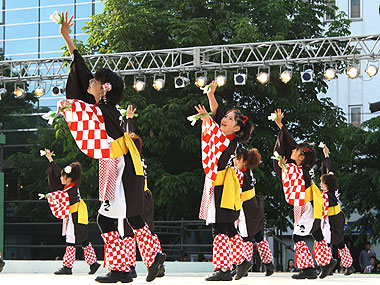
{"type": "Point", "coordinates": [279, 117]}
{"type": "Point", "coordinates": [130, 112]}
{"type": "Point", "coordinates": [201, 111]}
{"type": "Point", "coordinates": [49, 154]}
{"type": "Point", "coordinates": [212, 89]}
{"type": "Point", "coordinates": [326, 151]}
{"type": "Point", "coordinates": [66, 24]}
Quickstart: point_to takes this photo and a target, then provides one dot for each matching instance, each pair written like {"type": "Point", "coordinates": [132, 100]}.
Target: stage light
{"type": "Point", "coordinates": [39, 91]}
{"type": "Point", "coordinates": [19, 93]}
{"type": "Point", "coordinates": [353, 72]}
{"type": "Point", "coordinates": [200, 81]}
{"type": "Point", "coordinates": [181, 81]}
{"type": "Point", "coordinates": [158, 83]}
{"type": "Point", "coordinates": [240, 78]}
{"type": "Point", "coordinates": [263, 77]}
{"type": "Point", "coordinates": [307, 75]}
{"type": "Point", "coordinates": [221, 80]}
{"type": "Point", "coordinates": [139, 85]}
{"type": "Point", "coordinates": [371, 70]}
{"type": "Point", "coordinates": [286, 76]}
{"type": "Point", "coordinates": [330, 73]}
{"type": "Point", "coordinates": [57, 90]}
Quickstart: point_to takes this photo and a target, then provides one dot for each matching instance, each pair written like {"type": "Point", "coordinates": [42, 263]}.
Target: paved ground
{"type": "Point", "coordinates": [187, 278]}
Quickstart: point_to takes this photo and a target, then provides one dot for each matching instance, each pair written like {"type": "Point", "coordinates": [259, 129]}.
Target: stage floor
{"type": "Point", "coordinates": [186, 278]}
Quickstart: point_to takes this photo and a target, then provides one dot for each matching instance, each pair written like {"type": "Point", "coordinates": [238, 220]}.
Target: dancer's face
{"type": "Point", "coordinates": [65, 180]}
{"type": "Point", "coordinates": [297, 156]}
{"type": "Point", "coordinates": [95, 88]}
{"type": "Point", "coordinates": [323, 186]}
{"type": "Point", "coordinates": [228, 124]}
{"type": "Point", "coordinates": [239, 163]}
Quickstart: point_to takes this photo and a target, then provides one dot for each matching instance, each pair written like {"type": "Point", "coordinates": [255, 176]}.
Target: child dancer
{"type": "Point", "coordinates": [333, 224]}
{"type": "Point", "coordinates": [251, 219]}
{"type": "Point", "coordinates": [66, 204]}
{"type": "Point", "coordinates": [301, 192]}
{"type": "Point", "coordinates": [95, 124]}
{"type": "Point", "coordinates": [221, 202]}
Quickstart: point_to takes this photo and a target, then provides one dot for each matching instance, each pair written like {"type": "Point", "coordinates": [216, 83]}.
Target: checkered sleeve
{"type": "Point", "coordinates": [214, 142]}
{"type": "Point", "coordinates": [294, 185]}
{"type": "Point", "coordinates": [86, 124]}
{"type": "Point", "coordinates": [59, 204]}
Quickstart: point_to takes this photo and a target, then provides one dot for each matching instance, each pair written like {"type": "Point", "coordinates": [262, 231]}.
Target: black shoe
{"type": "Point", "coordinates": [327, 268]}
{"type": "Point", "coordinates": [64, 271]}
{"type": "Point", "coordinates": [114, 277]}
{"type": "Point", "coordinates": [307, 273]}
{"type": "Point", "coordinates": [153, 269]}
{"type": "Point", "coordinates": [242, 269]}
{"type": "Point", "coordinates": [331, 273]}
{"type": "Point", "coordinates": [2, 264]}
{"type": "Point", "coordinates": [269, 269]}
{"type": "Point", "coordinates": [349, 270]}
{"type": "Point", "coordinates": [93, 268]}
{"type": "Point", "coordinates": [220, 275]}
{"type": "Point", "coordinates": [133, 272]}
{"type": "Point", "coordinates": [161, 271]}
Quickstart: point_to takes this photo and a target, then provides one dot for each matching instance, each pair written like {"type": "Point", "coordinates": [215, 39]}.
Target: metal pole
{"type": "Point", "coordinates": [2, 141]}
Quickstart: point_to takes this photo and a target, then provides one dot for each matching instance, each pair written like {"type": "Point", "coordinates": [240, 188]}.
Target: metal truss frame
{"type": "Point", "coordinates": [202, 58]}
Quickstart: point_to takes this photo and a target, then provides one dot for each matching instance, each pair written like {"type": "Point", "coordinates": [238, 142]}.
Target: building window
{"type": "Point", "coordinates": [331, 13]}
{"type": "Point", "coordinates": [355, 9]}
{"type": "Point", "coordinates": [355, 115]}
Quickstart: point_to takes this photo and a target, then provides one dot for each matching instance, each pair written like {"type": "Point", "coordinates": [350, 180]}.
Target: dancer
{"type": "Point", "coordinates": [221, 202]}
{"type": "Point", "coordinates": [95, 124]}
{"type": "Point", "coordinates": [2, 263]}
{"type": "Point", "coordinates": [66, 204]}
{"type": "Point", "coordinates": [251, 219]}
{"type": "Point", "coordinates": [334, 220]}
{"type": "Point", "coordinates": [301, 192]}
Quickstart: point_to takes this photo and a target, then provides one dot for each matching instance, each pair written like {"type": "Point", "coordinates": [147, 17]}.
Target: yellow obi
{"type": "Point", "coordinates": [231, 190]}
{"type": "Point", "coordinates": [124, 144]}
{"type": "Point", "coordinates": [146, 186]}
{"type": "Point", "coordinates": [312, 193]}
{"type": "Point", "coordinates": [81, 208]}
{"type": "Point", "coordinates": [248, 195]}
{"type": "Point", "coordinates": [334, 210]}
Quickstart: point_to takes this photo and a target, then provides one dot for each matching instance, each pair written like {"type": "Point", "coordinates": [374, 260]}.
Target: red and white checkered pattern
{"type": "Point", "coordinates": [240, 176]}
{"type": "Point", "coordinates": [69, 257]}
{"type": "Point", "coordinates": [237, 249]}
{"type": "Point", "coordinates": [208, 191]}
{"type": "Point", "coordinates": [86, 124]}
{"type": "Point", "coordinates": [221, 258]}
{"type": "Point", "coordinates": [264, 251]}
{"type": "Point", "coordinates": [345, 256]}
{"type": "Point", "coordinates": [248, 250]}
{"type": "Point", "coordinates": [107, 178]}
{"type": "Point", "coordinates": [114, 252]}
{"type": "Point", "coordinates": [303, 255]}
{"type": "Point", "coordinates": [294, 185]}
{"type": "Point", "coordinates": [59, 204]}
{"type": "Point", "coordinates": [130, 248]}
{"type": "Point", "coordinates": [149, 245]}
{"type": "Point", "coordinates": [298, 212]}
{"type": "Point", "coordinates": [325, 198]}
{"type": "Point", "coordinates": [322, 253]}
{"type": "Point", "coordinates": [89, 254]}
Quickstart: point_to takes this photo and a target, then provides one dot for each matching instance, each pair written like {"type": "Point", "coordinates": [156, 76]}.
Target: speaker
{"type": "Point", "coordinates": [374, 107]}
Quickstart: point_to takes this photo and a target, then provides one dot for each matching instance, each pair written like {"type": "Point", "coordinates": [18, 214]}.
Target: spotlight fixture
{"type": "Point", "coordinates": [286, 76]}
{"type": "Point", "coordinates": [2, 92]}
{"type": "Point", "coordinates": [240, 78]}
{"type": "Point", "coordinates": [139, 83]}
{"type": "Point", "coordinates": [39, 91]}
{"type": "Point", "coordinates": [330, 73]}
{"type": "Point", "coordinates": [19, 93]}
{"type": "Point", "coordinates": [200, 79]}
{"type": "Point", "coordinates": [221, 79]}
{"type": "Point", "coordinates": [158, 83]}
{"type": "Point", "coordinates": [307, 75]}
{"type": "Point", "coordinates": [263, 76]}
{"type": "Point", "coordinates": [371, 69]}
{"type": "Point", "coordinates": [374, 107]}
{"type": "Point", "coordinates": [181, 81]}
{"type": "Point", "coordinates": [57, 90]}
{"type": "Point", "coordinates": [353, 72]}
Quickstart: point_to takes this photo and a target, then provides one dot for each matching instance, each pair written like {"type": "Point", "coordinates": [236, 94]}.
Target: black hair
{"type": "Point", "coordinates": [252, 157]}
{"type": "Point", "coordinates": [246, 126]}
{"type": "Point", "coordinates": [75, 172]}
{"type": "Point", "coordinates": [115, 95]}
{"type": "Point", "coordinates": [331, 181]}
{"type": "Point", "coordinates": [309, 153]}
{"type": "Point", "coordinates": [137, 140]}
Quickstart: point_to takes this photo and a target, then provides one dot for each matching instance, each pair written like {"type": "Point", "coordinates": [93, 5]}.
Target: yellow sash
{"type": "Point", "coordinates": [313, 194]}
{"type": "Point", "coordinates": [124, 144]}
{"type": "Point", "coordinates": [231, 189]}
{"type": "Point", "coordinates": [248, 195]}
{"type": "Point", "coordinates": [334, 210]}
{"type": "Point", "coordinates": [146, 187]}
{"type": "Point", "coordinates": [81, 208]}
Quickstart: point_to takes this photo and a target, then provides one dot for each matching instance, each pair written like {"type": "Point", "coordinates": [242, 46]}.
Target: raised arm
{"type": "Point", "coordinates": [211, 98]}
{"type": "Point", "coordinates": [64, 30]}
{"type": "Point", "coordinates": [326, 163]}
{"type": "Point", "coordinates": [129, 127]}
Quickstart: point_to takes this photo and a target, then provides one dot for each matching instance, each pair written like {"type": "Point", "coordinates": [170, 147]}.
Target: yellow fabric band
{"type": "Point", "coordinates": [231, 189]}
{"type": "Point", "coordinates": [313, 193]}
{"type": "Point", "coordinates": [248, 195]}
{"type": "Point", "coordinates": [124, 144]}
{"type": "Point", "coordinates": [81, 208]}
{"type": "Point", "coordinates": [334, 210]}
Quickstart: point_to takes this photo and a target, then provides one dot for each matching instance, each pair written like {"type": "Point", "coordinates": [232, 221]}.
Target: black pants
{"type": "Point", "coordinates": [316, 232]}
{"type": "Point", "coordinates": [224, 228]}
{"type": "Point", "coordinates": [107, 225]}
{"type": "Point", "coordinates": [257, 237]}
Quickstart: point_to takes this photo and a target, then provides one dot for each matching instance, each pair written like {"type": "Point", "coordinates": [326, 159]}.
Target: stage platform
{"type": "Point", "coordinates": [192, 273]}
